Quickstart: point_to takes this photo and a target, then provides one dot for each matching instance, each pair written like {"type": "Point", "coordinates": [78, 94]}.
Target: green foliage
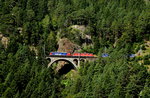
{"type": "Point", "coordinates": [45, 22]}
{"type": "Point", "coordinates": [110, 77]}
{"type": "Point", "coordinates": [51, 42]}
{"type": "Point", "coordinates": [119, 25]}
{"type": "Point", "coordinates": [24, 76]}
{"type": "Point", "coordinates": [146, 60]}
{"type": "Point", "coordinates": [111, 21]}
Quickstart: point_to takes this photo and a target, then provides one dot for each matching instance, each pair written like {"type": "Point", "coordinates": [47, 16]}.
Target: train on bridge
{"type": "Point", "coordinates": [72, 54]}
{"type": "Point", "coordinates": [83, 54]}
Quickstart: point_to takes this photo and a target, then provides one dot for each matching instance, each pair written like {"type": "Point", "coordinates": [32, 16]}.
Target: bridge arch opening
{"type": "Point", "coordinates": [75, 61]}
{"type": "Point", "coordinates": [82, 60]}
{"type": "Point", "coordinates": [67, 67]}
{"type": "Point", "coordinates": [49, 59]}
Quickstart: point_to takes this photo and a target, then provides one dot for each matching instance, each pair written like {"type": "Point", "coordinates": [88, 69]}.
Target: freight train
{"type": "Point", "coordinates": [71, 54]}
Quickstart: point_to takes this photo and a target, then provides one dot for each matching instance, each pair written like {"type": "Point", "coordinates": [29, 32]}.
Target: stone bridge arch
{"type": "Point", "coordinates": [71, 61]}
{"type": "Point", "coordinates": [75, 61]}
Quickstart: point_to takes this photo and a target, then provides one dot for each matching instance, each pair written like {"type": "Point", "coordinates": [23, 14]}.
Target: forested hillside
{"type": "Point", "coordinates": [32, 28]}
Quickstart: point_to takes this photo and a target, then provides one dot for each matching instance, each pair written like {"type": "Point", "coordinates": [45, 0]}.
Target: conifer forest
{"type": "Point", "coordinates": [31, 29]}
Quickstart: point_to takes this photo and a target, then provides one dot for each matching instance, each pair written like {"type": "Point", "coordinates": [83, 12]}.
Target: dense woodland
{"type": "Point", "coordinates": [36, 23]}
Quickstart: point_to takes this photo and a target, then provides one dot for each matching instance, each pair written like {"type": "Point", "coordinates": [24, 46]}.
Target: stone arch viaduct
{"type": "Point", "coordinates": [75, 61]}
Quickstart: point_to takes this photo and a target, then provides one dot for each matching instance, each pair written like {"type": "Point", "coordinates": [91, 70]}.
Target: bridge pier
{"type": "Point", "coordinates": [79, 63]}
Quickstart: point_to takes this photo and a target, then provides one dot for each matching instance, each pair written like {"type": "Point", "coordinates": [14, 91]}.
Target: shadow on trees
{"type": "Point", "coordinates": [65, 69]}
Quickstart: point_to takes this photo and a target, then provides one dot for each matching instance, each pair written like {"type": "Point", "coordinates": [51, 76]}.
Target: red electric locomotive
{"type": "Point", "coordinates": [69, 54]}
{"type": "Point", "coordinates": [83, 54]}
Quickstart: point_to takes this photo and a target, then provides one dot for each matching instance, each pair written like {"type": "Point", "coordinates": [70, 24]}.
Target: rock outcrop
{"type": "Point", "coordinates": [66, 45]}
{"type": "Point", "coordinates": [4, 40]}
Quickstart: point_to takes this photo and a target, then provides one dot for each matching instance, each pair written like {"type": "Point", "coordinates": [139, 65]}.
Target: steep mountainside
{"type": "Point", "coordinates": [31, 29]}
